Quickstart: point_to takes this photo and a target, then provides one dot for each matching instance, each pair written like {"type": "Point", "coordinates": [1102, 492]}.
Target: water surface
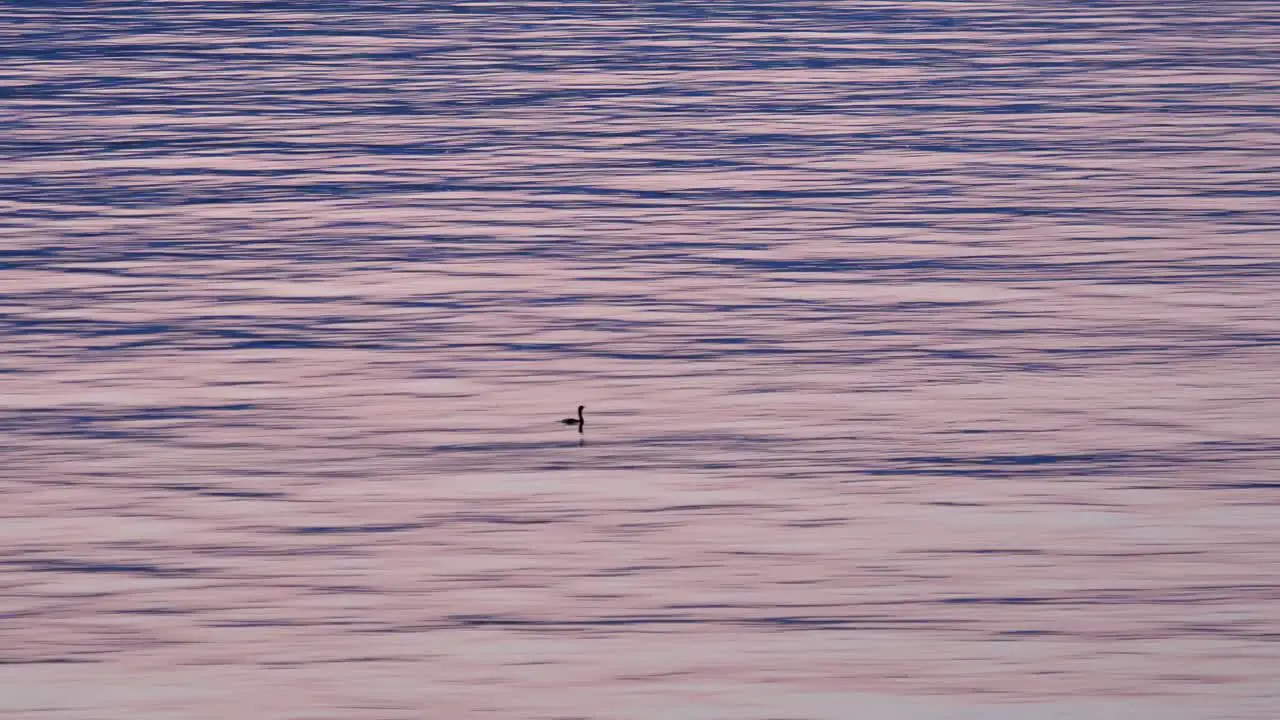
{"type": "Point", "coordinates": [929, 354]}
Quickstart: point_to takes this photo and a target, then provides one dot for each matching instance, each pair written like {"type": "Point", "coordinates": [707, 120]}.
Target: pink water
{"type": "Point", "coordinates": [928, 350]}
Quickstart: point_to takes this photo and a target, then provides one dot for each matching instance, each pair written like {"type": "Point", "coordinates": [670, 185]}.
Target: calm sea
{"type": "Point", "coordinates": [929, 352]}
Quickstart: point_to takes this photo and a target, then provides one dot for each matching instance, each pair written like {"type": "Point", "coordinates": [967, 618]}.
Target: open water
{"type": "Point", "coordinates": [929, 352]}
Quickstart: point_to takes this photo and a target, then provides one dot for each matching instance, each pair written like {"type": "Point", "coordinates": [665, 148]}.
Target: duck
{"type": "Point", "coordinates": [579, 421]}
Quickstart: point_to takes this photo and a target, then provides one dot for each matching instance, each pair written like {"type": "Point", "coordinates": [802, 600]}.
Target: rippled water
{"type": "Point", "coordinates": [929, 353]}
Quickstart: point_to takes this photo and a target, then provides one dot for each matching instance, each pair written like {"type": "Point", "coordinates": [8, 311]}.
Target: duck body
{"type": "Point", "coordinates": [579, 421]}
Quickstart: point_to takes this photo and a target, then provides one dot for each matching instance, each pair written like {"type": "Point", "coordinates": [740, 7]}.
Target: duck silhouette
{"type": "Point", "coordinates": [579, 421]}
